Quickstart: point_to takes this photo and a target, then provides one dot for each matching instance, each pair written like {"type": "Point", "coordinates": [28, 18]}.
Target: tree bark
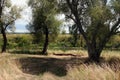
{"type": "Point", "coordinates": [44, 51]}
{"type": "Point", "coordinates": [94, 54]}
{"type": "Point", "coordinates": [4, 40]}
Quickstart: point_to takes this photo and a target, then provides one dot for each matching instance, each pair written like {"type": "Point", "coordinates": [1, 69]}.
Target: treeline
{"type": "Point", "coordinates": [66, 41]}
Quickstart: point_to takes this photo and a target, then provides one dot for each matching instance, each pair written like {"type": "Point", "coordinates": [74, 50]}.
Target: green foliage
{"type": "Point", "coordinates": [25, 42]}
{"type": "Point", "coordinates": [44, 15]}
{"type": "Point", "coordinates": [116, 5]}
{"type": "Point", "coordinates": [22, 41]}
{"type": "Point", "coordinates": [8, 3]}
{"type": "Point", "coordinates": [10, 13]}
{"type": "Point", "coordinates": [101, 15]}
{"type": "Point", "coordinates": [19, 41]}
{"type": "Point", "coordinates": [93, 19]}
{"type": "Point", "coordinates": [75, 35]}
{"type": "Point", "coordinates": [114, 42]}
{"type": "Point", "coordinates": [100, 12]}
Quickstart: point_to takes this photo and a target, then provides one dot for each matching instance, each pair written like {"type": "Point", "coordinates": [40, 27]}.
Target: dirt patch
{"type": "Point", "coordinates": [54, 65]}
{"type": "Point", "coordinates": [59, 64]}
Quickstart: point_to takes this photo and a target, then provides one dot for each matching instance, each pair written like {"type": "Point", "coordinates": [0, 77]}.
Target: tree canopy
{"type": "Point", "coordinates": [44, 21]}
{"type": "Point", "coordinates": [93, 18]}
{"type": "Point", "coordinates": [8, 15]}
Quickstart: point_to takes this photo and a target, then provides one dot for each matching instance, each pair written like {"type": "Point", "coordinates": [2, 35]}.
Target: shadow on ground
{"type": "Point", "coordinates": [60, 63]}
{"type": "Point", "coordinates": [40, 65]}
{"type": "Point", "coordinates": [25, 52]}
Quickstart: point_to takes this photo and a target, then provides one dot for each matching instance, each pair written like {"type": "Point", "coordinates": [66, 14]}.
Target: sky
{"type": "Point", "coordinates": [25, 18]}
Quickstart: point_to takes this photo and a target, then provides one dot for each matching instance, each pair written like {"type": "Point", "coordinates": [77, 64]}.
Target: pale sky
{"type": "Point", "coordinates": [26, 15]}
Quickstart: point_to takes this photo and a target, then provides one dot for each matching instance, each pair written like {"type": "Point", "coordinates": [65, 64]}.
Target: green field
{"type": "Point", "coordinates": [26, 43]}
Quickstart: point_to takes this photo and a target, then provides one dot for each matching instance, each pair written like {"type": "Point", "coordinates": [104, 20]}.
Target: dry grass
{"type": "Point", "coordinates": [9, 69]}
{"type": "Point", "coordinates": [35, 67]}
{"type": "Point", "coordinates": [92, 72]}
{"type": "Point", "coordinates": [76, 52]}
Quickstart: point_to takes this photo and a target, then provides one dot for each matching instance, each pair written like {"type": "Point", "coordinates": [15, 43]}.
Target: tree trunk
{"type": "Point", "coordinates": [44, 51]}
{"type": "Point", "coordinates": [4, 40]}
{"type": "Point", "coordinates": [94, 54]}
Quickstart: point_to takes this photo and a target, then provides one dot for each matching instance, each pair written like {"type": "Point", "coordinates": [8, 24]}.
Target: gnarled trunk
{"type": "Point", "coordinates": [44, 51]}
{"type": "Point", "coordinates": [4, 40]}
{"type": "Point", "coordinates": [94, 53]}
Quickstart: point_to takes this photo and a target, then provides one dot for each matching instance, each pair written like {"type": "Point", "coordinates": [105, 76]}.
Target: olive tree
{"type": "Point", "coordinates": [44, 23]}
{"type": "Point", "coordinates": [8, 15]}
{"type": "Point", "coordinates": [96, 20]}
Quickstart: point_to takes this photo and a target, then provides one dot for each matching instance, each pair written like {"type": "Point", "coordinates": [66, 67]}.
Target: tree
{"type": "Point", "coordinates": [8, 15]}
{"type": "Point", "coordinates": [44, 21]}
{"type": "Point", "coordinates": [74, 31]}
{"type": "Point", "coordinates": [97, 21]}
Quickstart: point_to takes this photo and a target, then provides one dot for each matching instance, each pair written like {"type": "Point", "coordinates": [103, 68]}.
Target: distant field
{"type": "Point", "coordinates": [59, 67]}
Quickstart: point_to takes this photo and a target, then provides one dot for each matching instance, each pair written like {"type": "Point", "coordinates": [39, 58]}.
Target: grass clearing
{"type": "Point", "coordinates": [55, 67]}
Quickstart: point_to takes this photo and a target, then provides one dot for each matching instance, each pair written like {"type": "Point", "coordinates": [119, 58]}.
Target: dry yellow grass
{"type": "Point", "coordinates": [10, 69]}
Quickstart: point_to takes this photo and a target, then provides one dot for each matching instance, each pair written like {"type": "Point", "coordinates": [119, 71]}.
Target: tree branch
{"type": "Point", "coordinates": [6, 25]}
{"type": "Point", "coordinates": [115, 26]}
{"type": "Point", "coordinates": [77, 19]}
{"type": "Point", "coordinates": [70, 16]}
{"type": "Point", "coordinates": [107, 37]}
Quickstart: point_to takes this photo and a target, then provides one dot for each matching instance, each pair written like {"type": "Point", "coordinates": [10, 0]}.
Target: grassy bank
{"type": "Point", "coordinates": [59, 67]}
